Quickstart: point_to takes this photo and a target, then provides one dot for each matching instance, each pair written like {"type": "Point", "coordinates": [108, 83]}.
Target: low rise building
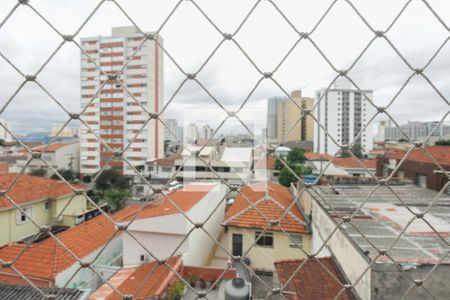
{"type": "Point", "coordinates": [162, 225]}
{"type": "Point", "coordinates": [47, 263]}
{"type": "Point", "coordinates": [264, 224]}
{"type": "Point", "coordinates": [46, 201]}
{"type": "Point", "coordinates": [384, 246]}
{"type": "Point", "coordinates": [60, 155]}
{"type": "Point", "coordinates": [356, 166]}
{"type": "Point", "coordinates": [429, 168]}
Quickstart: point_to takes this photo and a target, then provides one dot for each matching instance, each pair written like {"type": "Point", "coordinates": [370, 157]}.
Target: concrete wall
{"type": "Point", "coordinates": [351, 260]}
{"type": "Point", "coordinates": [264, 257]}
{"type": "Point", "coordinates": [389, 281]}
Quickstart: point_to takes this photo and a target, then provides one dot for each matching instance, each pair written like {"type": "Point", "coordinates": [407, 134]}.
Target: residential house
{"type": "Point", "coordinates": [46, 201]}
{"type": "Point", "coordinates": [358, 167]}
{"type": "Point", "coordinates": [47, 263]}
{"type": "Point", "coordinates": [249, 232]}
{"type": "Point", "coordinates": [232, 163]}
{"type": "Point", "coordinates": [162, 225]}
{"type": "Point", "coordinates": [429, 167]}
{"type": "Point", "coordinates": [320, 165]}
{"type": "Point", "coordinates": [60, 155]}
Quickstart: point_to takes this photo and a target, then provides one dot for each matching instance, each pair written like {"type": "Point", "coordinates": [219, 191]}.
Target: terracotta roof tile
{"type": "Point", "coordinates": [52, 147]}
{"type": "Point", "coordinates": [30, 188]}
{"type": "Point", "coordinates": [318, 156]}
{"type": "Point", "coordinates": [185, 199]}
{"type": "Point", "coordinates": [440, 153]}
{"type": "Point", "coordinates": [143, 282]}
{"type": "Point", "coordinates": [82, 240]}
{"type": "Point", "coordinates": [313, 281]}
{"type": "Point", "coordinates": [355, 163]}
{"type": "Point", "coordinates": [242, 214]}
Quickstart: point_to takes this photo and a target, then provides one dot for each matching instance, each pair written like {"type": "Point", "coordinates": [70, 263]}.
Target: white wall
{"type": "Point", "coordinates": [200, 244]}
{"type": "Point", "coordinates": [85, 278]}
{"type": "Point", "coordinates": [162, 235]}
{"type": "Point", "coordinates": [349, 258]}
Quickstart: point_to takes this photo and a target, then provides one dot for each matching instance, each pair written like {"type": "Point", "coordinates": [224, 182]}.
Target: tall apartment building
{"type": "Point", "coordinates": [170, 132]}
{"type": "Point", "coordinates": [206, 132]}
{"type": "Point", "coordinates": [5, 135]}
{"type": "Point", "coordinates": [272, 113]}
{"type": "Point", "coordinates": [192, 133]}
{"type": "Point", "coordinates": [114, 115]}
{"type": "Point", "coordinates": [289, 128]}
{"type": "Point", "coordinates": [343, 111]}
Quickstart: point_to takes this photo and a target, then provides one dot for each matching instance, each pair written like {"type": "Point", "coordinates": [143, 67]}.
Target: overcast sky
{"type": "Point", "coordinates": [27, 41]}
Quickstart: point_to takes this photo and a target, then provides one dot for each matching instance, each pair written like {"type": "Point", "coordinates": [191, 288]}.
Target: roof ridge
{"type": "Point", "coordinates": [244, 210]}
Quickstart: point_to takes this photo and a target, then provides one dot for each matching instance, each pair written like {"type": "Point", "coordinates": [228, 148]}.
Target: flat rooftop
{"type": "Point", "coordinates": [383, 217]}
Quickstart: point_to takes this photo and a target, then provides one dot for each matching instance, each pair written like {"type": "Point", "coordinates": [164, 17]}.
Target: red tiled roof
{"type": "Point", "coordinates": [355, 163]}
{"type": "Point", "coordinates": [266, 163]}
{"type": "Point", "coordinates": [318, 156]}
{"type": "Point", "coordinates": [143, 282]}
{"type": "Point", "coordinates": [313, 281]}
{"type": "Point", "coordinates": [4, 168]}
{"type": "Point", "coordinates": [30, 188]}
{"type": "Point", "coordinates": [440, 153]}
{"type": "Point", "coordinates": [52, 147]}
{"type": "Point", "coordinates": [46, 259]}
{"type": "Point", "coordinates": [242, 214]}
{"type": "Point", "coordinates": [166, 161]}
{"type": "Point", "coordinates": [185, 199]}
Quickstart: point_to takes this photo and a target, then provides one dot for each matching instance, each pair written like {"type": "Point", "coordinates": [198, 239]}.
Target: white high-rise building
{"type": "Point", "coordinates": [170, 132]}
{"type": "Point", "coordinates": [5, 135]}
{"type": "Point", "coordinates": [206, 132]}
{"type": "Point", "coordinates": [272, 118]}
{"type": "Point", "coordinates": [382, 125]}
{"type": "Point", "coordinates": [192, 133]}
{"type": "Point", "coordinates": [343, 111]}
{"type": "Point", "coordinates": [114, 114]}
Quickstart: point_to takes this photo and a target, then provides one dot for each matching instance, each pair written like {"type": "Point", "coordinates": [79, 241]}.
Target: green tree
{"type": "Point", "coordinates": [443, 143]}
{"type": "Point", "coordinates": [41, 172]}
{"type": "Point", "coordinates": [296, 156]}
{"type": "Point", "coordinates": [116, 198]}
{"type": "Point", "coordinates": [356, 149]}
{"type": "Point", "coordinates": [67, 174]}
{"type": "Point", "coordinates": [110, 179]}
{"type": "Point", "coordinates": [287, 176]}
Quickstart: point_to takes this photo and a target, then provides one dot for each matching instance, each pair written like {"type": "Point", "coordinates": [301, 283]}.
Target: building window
{"type": "Point", "coordinates": [21, 218]}
{"type": "Point", "coordinates": [264, 240]}
{"type": "Point", "coordinates": [166, 169]}
{"type": "Point", "coordinates": [46, 205]}
{"type": "Point", "coordinates": [295, 241]}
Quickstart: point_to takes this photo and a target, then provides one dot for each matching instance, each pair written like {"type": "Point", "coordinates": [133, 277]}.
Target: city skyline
{"type": "Point", "coordinates": [380, 69]}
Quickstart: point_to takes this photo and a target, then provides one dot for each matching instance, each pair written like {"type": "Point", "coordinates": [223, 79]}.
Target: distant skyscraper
{"type": "Point", "coordinates": [115, 115]}
{"type": "Point", "coordinates": [4, 135]}
{"type": "Point", "coordinates": [381, 136]}
{"type": "Point", "coordinates": [272, 120]}
{"type": "Point", "coordinates": [343, 112]}
{"type": "Point", "coordinates": [289, 128]}
{"type": "Point", "coordinates": [170, 132]}
{"type": "Point", "coordinates": [206, 132]}
{"type": "Point", "coordinates": [192, 133]}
